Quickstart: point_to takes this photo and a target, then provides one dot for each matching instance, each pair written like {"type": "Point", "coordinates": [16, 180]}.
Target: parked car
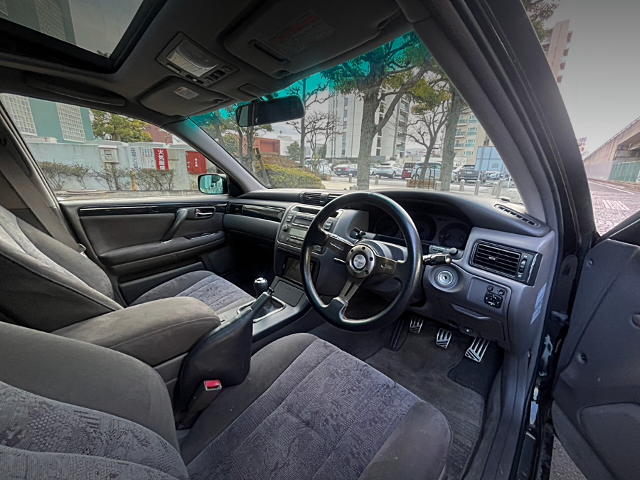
{"type": "Point", "coordinates": [388, 169]}
{"type": "Point", "coordinates": [469, 173]}
{"type": "Point", "coordinates": [433, 171]}
{"type": "Point", "coordinates": [407, 169]}
{"type": "Point", "coordinates": [344, 170]}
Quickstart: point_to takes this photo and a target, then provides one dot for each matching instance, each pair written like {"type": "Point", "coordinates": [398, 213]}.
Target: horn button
{"type": "Point", "coordinates": [361, 260]}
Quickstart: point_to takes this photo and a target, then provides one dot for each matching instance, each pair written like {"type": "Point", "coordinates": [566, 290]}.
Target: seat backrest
{"type": "Point", "coordinates": [76, 411]}
{"type": "Point", "coordinates": [44, 284]}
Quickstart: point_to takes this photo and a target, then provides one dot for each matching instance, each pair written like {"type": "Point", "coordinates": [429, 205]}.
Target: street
{"type": "Point", "coordinates": [612, 204]}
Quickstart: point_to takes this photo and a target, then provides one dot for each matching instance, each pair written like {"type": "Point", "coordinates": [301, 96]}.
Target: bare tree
{"type": "Point", "coordinates": [80, 172]}
{"type": "Point", "coordinates": [112, 177]}
{"type": "Point", "coordinates": [309, 97]}
{"type": "Point", "coordinates": [55, 173]}
{"type": "Point", "coordinates": [430, 113]}
{"type": "Point", "coordinates": [320, 127]}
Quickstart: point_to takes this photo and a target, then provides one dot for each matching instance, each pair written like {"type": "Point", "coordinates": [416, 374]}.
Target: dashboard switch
{"type": "Point", "coordinates": [493, 300]}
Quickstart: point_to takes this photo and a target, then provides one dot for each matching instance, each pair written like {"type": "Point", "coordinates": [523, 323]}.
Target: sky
{"type": "Point", "coordinates": [602, 75]}
{"type": "Point", "coordinates": [99, 24]}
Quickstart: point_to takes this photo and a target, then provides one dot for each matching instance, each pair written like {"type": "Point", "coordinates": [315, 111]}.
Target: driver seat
{"type": "Point", "coordinates": [73, 410]}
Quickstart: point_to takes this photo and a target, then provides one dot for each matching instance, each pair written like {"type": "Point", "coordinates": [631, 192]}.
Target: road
{"type": "Point", "coordinates": [612, 204]}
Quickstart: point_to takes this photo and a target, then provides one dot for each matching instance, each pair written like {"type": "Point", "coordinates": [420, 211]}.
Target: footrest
{"type": "Point", "coordinates": [477, 349]}
{"type": "Point", "coordinates": [443, 337]}
{"type": "Point", "coordinates": [415, 324]}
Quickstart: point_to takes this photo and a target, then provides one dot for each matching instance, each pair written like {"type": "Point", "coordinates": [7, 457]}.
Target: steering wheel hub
{"type": "Point", "coordinates": [361, 261]}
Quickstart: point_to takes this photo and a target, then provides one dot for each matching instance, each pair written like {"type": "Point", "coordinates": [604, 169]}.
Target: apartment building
{"type": "Point", "coordinates": [556, 48]}
{"type": "Point", "coordinates": [390, 143]}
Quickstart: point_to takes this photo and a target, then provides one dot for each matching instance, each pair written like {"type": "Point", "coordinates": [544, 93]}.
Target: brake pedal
{"type": "Point", "coordinates": [477, 349]}
{"type": "Point", "coordinates": [415, 324]}
{"type": "Point", "coordinates": [443, 338]}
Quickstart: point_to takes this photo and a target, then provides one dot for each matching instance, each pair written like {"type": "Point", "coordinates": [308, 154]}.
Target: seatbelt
{"type": "Point", "coordinates": [37, 204]}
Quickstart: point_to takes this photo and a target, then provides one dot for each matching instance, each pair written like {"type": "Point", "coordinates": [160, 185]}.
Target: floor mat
{"type": "Point", "coordinates": [422, 367]}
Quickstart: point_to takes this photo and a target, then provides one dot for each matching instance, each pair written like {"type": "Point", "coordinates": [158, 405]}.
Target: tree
{"type": "Point", "coordinates": [80, 172]}
{"type": "Point", "coordinates": [308, 97]}
{"type": "Point", "coordinates": [539, 11]}
{"type": "Point", "coordinates": [111, 126]}
{"type": "Point", "coordinates": [430, 113]}
{"type": "Point", "coordinates": [293, 151]}
{"type": "Point", "coordinates": [112, 177]}
{"type": "Point", "coordinates": [320, 128]}
{"type": "Point", "coordinates": [152, 179]}
{"type": "Point", "coordinates": [388, 71]}
{"type": "Point", "coordinates": [56, 173]}
{"type": "Point", "coordinates": [456, 105]}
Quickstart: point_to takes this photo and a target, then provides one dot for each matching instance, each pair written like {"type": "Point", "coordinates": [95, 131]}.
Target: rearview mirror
{"type": "Point", "coordinates": [212, 184]}
{"type": "Point", "coordinates": [270, 111]}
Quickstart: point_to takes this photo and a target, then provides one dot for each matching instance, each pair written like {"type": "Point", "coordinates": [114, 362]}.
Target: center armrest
{"type": "Point", "coordinates": [152, 332]}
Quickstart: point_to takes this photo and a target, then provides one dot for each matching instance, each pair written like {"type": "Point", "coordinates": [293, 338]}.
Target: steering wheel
{"type": "Point", "coordinates": [363, 259]}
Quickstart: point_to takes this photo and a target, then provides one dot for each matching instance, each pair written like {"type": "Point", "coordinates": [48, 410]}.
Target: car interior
{"type": "Point", "coordinates": [285, 333]}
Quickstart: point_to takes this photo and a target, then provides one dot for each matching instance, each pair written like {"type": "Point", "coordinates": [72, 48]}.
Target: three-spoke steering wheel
{"type": "Point", "coordinates": [363, 259]}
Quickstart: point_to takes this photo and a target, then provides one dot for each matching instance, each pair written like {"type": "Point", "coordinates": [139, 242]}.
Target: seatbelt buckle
{"type": "Point", "coordinates": [204, 395]}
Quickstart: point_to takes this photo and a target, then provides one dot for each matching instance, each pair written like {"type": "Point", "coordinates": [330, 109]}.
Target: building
{"type": "Point", "coordinates": [556, 48]}
{"type": "Point", "coordinates": [469, 137]}
{"type": "Point", "coordinates": [37, 118]}
{"type": "Point", "coordinates": [619, 158]}
{"type": "Point", "coordinates": [390, 143]}
{"type": "Point", "coordinates": [159, 134]}
{"type": "Point", "coordinates": [48, 120]}
{"type": "Point", "coordinates": [488, 160]}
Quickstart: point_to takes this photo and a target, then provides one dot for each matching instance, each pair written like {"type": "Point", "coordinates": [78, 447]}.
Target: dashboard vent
{"type": "Point", "coordinates": [515, 214]}
{"type": "Point", "coordinates": [332, 196]}
{"type": "Point", "coordinates": [496, 258]}
{"type": "Point", "coordinates": [312, 198]}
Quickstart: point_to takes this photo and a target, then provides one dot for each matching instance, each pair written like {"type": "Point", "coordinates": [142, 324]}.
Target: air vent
{"type": "Point", "coordinates": [521, 265]}
{"type": "Point", "coordinates": [312, 198]}
{"type": "Point", "coordinates": [332, 196]}
{"type": "Point", "coordinates": [235, 209]}
{"type": "Point", "coordinates": [496, 258]}
{"type": "Point", "coordinates": [515, 214]}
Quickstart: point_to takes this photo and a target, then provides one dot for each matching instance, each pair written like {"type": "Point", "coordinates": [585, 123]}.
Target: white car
{"type": "Point", "coordinates": [389, 169]}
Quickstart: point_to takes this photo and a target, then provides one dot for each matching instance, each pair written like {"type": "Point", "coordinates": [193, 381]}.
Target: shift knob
{"type": "Point", "coordinates": [260, 285]}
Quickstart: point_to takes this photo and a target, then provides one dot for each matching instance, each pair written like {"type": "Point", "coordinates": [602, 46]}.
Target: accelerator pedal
{"type": "Point", "coordinates": [443, 337]}
{"type": "Point", "coordinates": [477, 349]}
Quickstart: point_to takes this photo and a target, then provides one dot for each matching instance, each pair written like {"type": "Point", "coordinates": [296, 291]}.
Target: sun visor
{"type": "Point", "coordinates": [289, 36]}
{"type": "Point", "coordinates": [176, 96]}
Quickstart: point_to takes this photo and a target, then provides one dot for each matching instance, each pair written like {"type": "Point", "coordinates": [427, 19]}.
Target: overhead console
{"type": "Point", "coordinates": [285, 37]}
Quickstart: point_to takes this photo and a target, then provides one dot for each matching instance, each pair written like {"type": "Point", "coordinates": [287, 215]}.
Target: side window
{"type": "Point", "coordinates": [83, 151]}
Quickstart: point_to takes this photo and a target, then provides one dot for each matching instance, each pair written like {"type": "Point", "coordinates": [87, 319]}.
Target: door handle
{"type": "Point", "coordinates": [204, 212]}
{"type": "Point", "coordinates": [181, 215]}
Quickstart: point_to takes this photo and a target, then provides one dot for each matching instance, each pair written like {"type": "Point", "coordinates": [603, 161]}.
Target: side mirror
{"type": "Point", "coordinates": [270, 111]}
{"type": "Point", "coordinates": [212, 184]}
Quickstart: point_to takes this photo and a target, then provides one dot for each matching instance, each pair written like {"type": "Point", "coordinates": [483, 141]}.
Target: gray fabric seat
{"type": "Point", "coordinates": [307, 411]}
{"type": "Point", "coordinates": [47, 286]}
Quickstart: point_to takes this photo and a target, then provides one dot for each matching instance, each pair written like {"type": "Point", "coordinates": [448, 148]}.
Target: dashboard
{"type": "Point", "coordinates": [492, 288]}
{"type": "Point", "coordinates": [438, 230]}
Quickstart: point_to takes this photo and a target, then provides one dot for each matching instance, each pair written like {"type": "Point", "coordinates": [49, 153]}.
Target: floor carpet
{"type": "Point", "coordinates": [422, 367]}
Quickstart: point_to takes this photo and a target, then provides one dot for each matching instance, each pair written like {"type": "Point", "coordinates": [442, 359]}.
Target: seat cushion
{"type": "Point", "coordinates": [218, 293]}
{"type": "Point", "coordinates": [325, 415]}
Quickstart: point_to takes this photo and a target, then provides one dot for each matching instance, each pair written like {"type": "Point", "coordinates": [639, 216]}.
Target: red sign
{"type": "Point", "coordinates": [162, 158]}
{"type": "Point", "coordinates": [196, 163]}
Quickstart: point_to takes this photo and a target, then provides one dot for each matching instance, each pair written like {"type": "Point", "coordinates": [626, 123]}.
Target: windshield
{"type": "Point", "coordinates": [368, 123]}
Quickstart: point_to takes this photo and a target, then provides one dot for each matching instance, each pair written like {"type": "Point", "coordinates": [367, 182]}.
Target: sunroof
{"type": "Point", "coordinates": [95, 25]}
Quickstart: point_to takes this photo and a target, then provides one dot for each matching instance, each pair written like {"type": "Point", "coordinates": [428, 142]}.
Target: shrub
{"type": "Point", "coordinates": [283, 177]}
{"type": "Point", "coordinates": [152, 179]}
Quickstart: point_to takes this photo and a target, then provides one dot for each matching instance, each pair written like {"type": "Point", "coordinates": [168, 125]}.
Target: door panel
{"type": "Point", "coordinates": [597, 393]}
{"type": "Point", "coordinates": [142, 245]}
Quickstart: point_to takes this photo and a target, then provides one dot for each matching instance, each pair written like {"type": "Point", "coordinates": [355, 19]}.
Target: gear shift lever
{"type": "Point", "coordinates": [260, 285]}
